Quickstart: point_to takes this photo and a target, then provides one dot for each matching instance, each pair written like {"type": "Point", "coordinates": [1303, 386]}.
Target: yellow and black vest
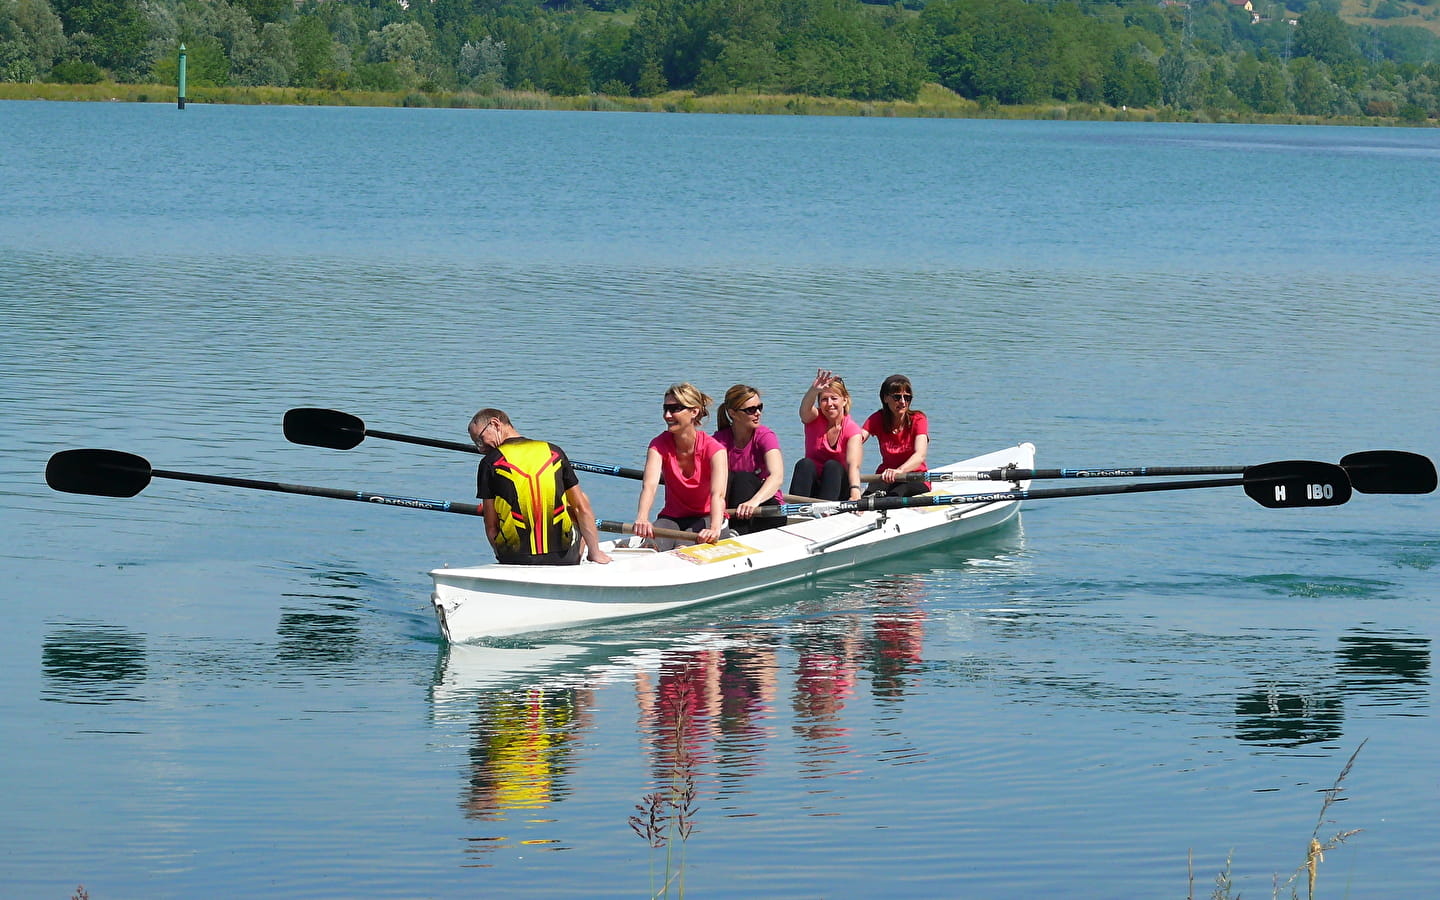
{"type": "Point", "coordinates": [528, 483]}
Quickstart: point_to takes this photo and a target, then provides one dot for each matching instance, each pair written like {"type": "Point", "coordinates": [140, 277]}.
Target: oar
{"type": "Point", "coordinates": [1294, 483]}
{"type": "Point", "coordinates": [674, 534]}
{"type": "Point", "coordinates": [114, 473]}
{"type": "Point", "coordinates": [1370, 471]}
{"type": "Point", "coordinates": [338, 430]}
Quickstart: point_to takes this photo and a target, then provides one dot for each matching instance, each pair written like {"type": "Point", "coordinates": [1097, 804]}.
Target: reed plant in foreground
{"type": "Point", "coordinates": [1314, 853]}
{"type": "Point", "coordinates": [667, 816]}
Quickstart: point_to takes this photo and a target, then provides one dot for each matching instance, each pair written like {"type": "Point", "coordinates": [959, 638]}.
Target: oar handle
{"type": "Point", "coordinates": [616, 527]}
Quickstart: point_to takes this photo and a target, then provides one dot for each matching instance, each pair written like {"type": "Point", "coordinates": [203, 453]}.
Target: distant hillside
{"type": "Point", "coordinates": [1382, 13]}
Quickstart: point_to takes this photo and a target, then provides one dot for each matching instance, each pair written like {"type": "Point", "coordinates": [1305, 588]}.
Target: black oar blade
{"type": "Point", "coordinates": [1297, 483]}
{"type": "Point", "coordinates": [1390, 472]}
{"type": "Point", "coordinates": [104, 473]}
{"type": "Point", "coordinates": [323, 428]}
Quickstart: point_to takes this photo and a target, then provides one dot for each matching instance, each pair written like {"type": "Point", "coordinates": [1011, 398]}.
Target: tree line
{"type": "Point", "coordinates": [1181, 54]}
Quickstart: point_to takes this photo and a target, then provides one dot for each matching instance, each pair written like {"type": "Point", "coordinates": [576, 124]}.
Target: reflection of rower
{"type": "Point", "coordinates": [898, 642]}
{"type": "Point", "coordinates": [518, 756]}
{"type": "Point", "coordinates": [898, 648]}
{"type": "Point", "coordinates": [680, 706]}
{"type": "Point", "coordinates": [825, 676]}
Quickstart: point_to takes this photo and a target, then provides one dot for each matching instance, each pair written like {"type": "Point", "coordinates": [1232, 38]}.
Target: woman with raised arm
{"type": "Point", "coordinates": [757, 468]}
{"type": "Point", "coordinates": [903, 434]}
{"type": "Point", "coordinates": [831, 467]}
{"type": "Point", "coordinates": [693, 467]}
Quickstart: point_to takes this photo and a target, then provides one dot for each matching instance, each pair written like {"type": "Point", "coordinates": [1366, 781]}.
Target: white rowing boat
{"type": "Point", "coordinates": [497, 600]}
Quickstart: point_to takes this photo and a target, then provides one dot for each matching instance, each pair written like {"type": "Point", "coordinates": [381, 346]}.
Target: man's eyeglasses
{"type": "Point", "coordinates": [899, 396]}
{"type": "Point", "coordinates": [752, 410]}
{"type": "Point", "coordinates": [673, 408]}
{"type": "Point", "coordinates": [480, 438]}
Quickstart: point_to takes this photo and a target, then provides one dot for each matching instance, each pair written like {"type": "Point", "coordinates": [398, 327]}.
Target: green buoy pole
{"type": "Point", "coordinates": [181, 100]}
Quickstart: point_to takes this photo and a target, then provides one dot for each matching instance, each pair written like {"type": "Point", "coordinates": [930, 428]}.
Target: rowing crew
{"type": "Point", "coordinates": [534, 505]}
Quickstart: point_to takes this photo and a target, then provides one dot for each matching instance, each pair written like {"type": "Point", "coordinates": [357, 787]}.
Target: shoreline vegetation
{"type": "Point", "coordinates": [933, 101]}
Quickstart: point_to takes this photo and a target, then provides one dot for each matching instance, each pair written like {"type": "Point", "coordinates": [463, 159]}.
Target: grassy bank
{"type": "Point", "coordinates": [934, 101]}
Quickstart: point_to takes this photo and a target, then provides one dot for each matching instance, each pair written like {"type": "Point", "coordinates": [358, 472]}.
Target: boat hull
{"type": "Point", "coordinates": [498, 600]}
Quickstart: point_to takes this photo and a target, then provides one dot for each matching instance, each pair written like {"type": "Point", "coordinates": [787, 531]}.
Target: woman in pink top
{"type": "Point", "coordinates": [693, 467]}
{"type": "Point", "coordinates": [757, 468]}
{"type": "Point", "coordinates": [903, 434]}
{"type": "Point", "coordinates": [831, 466]}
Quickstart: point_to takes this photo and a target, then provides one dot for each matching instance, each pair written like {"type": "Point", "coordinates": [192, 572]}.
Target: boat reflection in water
{"type": "Point", "coordinates": [708, 704]}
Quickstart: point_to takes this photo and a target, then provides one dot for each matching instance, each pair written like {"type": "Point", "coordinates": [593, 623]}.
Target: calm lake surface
{"type": "Point", "coordinates": [219, 692]}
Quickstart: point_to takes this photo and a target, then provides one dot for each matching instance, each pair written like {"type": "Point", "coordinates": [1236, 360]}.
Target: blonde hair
{"type": "Point", "coordinates": [690, 395]}
{"type": "Point", "coordinates": [836, 384]}
{"type": "Point", "coordinates": [737, 395]}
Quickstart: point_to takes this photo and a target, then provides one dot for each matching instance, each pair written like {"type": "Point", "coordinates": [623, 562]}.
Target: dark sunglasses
{"type": "Point", "coordinates": [752, 410]}
{"type": "Point", "coordinates": [673, 408]}
{"type": "Point", "coordinates": [899, 396]}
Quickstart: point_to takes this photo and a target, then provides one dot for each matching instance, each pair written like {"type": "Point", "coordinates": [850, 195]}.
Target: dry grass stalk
{"type": "Point", "coordinates": [1314, 853]}
{"type": "Point", "coordinates": [662, 817]}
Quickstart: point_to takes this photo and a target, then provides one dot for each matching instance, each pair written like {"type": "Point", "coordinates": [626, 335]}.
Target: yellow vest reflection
{"type": "Point", "coordinates": [519, 753]}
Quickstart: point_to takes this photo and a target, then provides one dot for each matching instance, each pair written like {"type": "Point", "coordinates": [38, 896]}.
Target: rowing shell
{"type": "Point", "coordinates": [497, 600]}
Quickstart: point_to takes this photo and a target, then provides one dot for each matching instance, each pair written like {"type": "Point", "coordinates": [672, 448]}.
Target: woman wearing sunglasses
{"type": "Point", "coordinates": [903, 434]}
{"type": "Point", "coordinates": [757, 468]}
{"type": "Point", "coordinates": [693, 467]}
{"type": "Point", "coordinates": [832, 443]}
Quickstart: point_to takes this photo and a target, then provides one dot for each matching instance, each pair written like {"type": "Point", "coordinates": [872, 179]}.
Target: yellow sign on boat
{"type": "Point", "coordinates": [703, 554]}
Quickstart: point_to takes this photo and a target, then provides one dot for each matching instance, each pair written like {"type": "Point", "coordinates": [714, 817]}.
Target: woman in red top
{"type": "Point", "coordinates": [693, 466]}
{"type": "Point", "coordinates": [903, 434]}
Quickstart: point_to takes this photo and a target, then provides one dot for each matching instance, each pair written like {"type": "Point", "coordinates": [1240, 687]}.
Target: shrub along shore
{"type": "Point", "coordinates": [933, 101]}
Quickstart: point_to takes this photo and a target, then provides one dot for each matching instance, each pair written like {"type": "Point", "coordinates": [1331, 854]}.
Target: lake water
{"type": "Point", "coordinates": [212, 691]}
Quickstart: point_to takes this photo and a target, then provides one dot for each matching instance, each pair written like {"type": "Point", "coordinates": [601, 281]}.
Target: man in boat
{"type": "Point", "coordinates": [531, 497]}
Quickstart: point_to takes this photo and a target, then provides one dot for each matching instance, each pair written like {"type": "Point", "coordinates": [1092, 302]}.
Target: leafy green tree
{"type": "Point", "coordinates": [1323, 37]}
{"type": "Point", "coordinates": [1132, 81]}
{"type": "Point", "coordinates": [311, 44]}
{"type": "Point", "coordinates": [482, 65]}
{"type": "Point", "coordinates": [743, 48]}
{"type": "Point", "coordinates": [206, 63]}
{"type": "Point", "coordinates": [31, 39]}
{"type": "Point", "coordinates": [263, 11]}
{"type": "Point", "coordinates": [1179, 79]}
{"type": "Point", "coordinates": [232, 29]}
{"type": "Point", "coordinates": [990, 48]}
{"type": "Point", "coordinates": [1313, 92]}
{"type": "Point", "coordinates": [836, 48]}
{"type": "Point", "coordinates": [1413, 114]}
{"type": "Point", "coordinates": [277, 55]}
{"type": "Point", "coordinates": [606, 57]}
{"type": "Point", "coordinates": [77, 71]}
{"type": "Point", "coordinates": [115, 30]}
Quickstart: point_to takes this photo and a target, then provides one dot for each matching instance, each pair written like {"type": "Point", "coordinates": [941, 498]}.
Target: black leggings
{"type": "Point", "coordinates": [825, 483]}
{"type": "Point", "coordinates": [742, 487]}
{"type": "Point", "coordinates": [898, 489]}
